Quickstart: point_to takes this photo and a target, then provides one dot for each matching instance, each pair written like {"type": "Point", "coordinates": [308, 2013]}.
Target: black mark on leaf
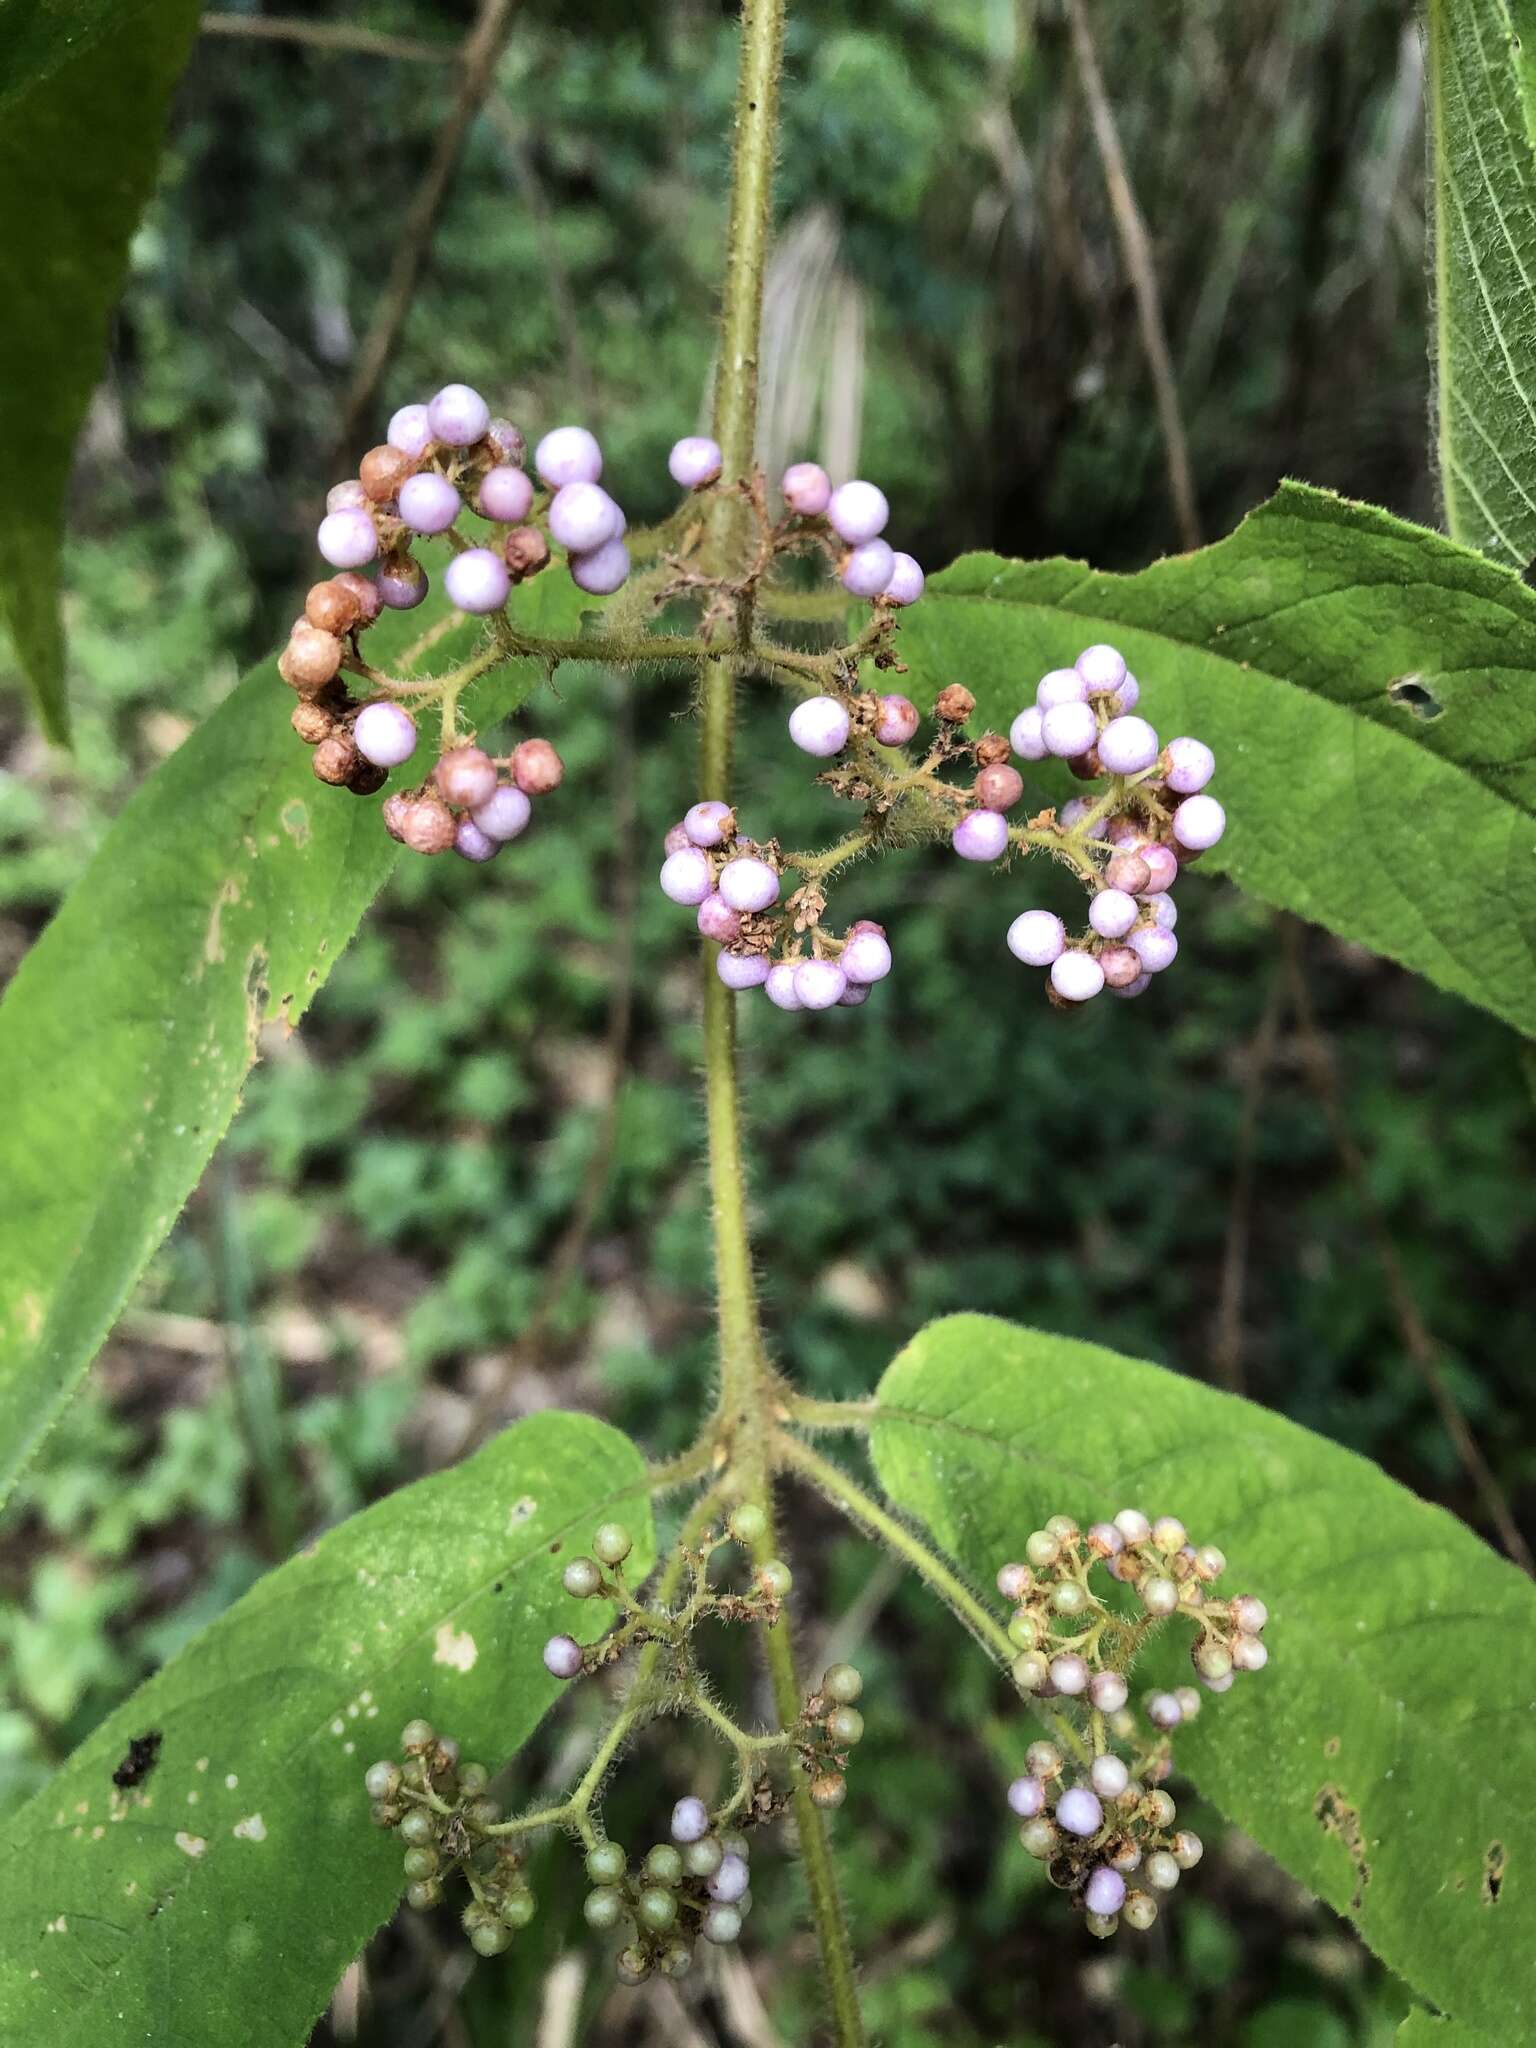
{"type": "Point", "coordinates": [143, 1754]}
{"type": "Point", "coordinates": [1336, 1816]}
{"type": "Point", "coordinates": [1410, 693]}
{"type": "Point", "coordinates": [1495, 1862]}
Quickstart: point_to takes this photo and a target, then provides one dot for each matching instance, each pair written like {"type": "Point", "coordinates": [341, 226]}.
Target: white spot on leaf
{"type": "Point", "coordinates": [252, 1829]}
{"type": "Point", "coordinates": [457, 1651]}
{"type": "Point", "coordinates": [189, 1845]}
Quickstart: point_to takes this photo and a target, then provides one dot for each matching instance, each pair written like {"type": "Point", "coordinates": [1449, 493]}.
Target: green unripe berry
{"type": "Point", "coordinates": [829, 1790]}
{"type": "Point", "coordinates": [1023, 1630]}
{"type": "Point", "coordinates": [703, 1858]}
{"type": "Point", "coordinates": [1037, 1838]}
{"type": "Point", "coordinates": [774, 1578]}
{"type": "Point", "coordinates": [664, 1864]}
{"type": "Point", "coordinates": [1042, 1759]}
{"type": "Point", "coordinates": [748, 1523]}
{"type": "Point", "coordinates": [1161, 1810]}
{"type": "Point", "coordinates": [1061, 1527]}
{"type": "Point", "coordinates": [418, 1828]}
{"type": "Point", "coordinates": [721, 1925]}
{"type": "Point", "coordinates": [473, 1780]}
{"type": "Point", "coordinates": [1213, 1660]}
{"type": "Point", "coordinates": [416, 1736]}
{"type": "Point", "coordinates": [1159, 1596]}
{"type": "Point", "coordinates": [843, 1683]}
{"type": "Point", "coordinates": [1139, 1910]}
{"type": "Point", "coordinates": [606, 1863]}
{"type": "Point", "coordinates": [421, 1897]}
{"type": "Point", "coordinates": [491, 1940]}
{"type": "Point", "coordinates": [420, 1863]}
{"type": "Point", "coordinates": [475, 1914]}
{"type": "Point", "coordinates": [385, 1813]}
{"type": "Point", "coordinates": [657, 1908]}
{"type": "Point", "coordinates": [518, 1908]}
{"type": "Point", "coordinates": [582, 1577]}
{"type": "Point", "coordinates": [604, 1908]}
{"type": "Point", "coordinates": [676, 1959]}
{"type": "Point", "coordinates": [613, 1542]}
{"type": "Point", "coordinates": [1210, 1562]}
{"type": "Point", "coordinates": [1069, 1598]}
{"type": "Point", "coordinates": [1042, 1549]}
{"type": "Point", "coordinates": [633, 1965]}
{"type": "Point", "coordinates": [483, 1813]}
{"type": "Point", "coordinates": [1101, 1924]}
{"type": "Point", "coordinates": [1162, 1871]}
{"type": "Point", "coordinates": [382, 1780]}
{"type": "Point", "coordinates": [1031, 1671]}
{"type": "Point", "coordinates": [414, 1775]}
{"type": "Point", "coordinates": [737, 1845]}
{"type": "Point", "coordinates": [845, 1726]}
{"type": "Point", "coordinates": [1189, 1701]}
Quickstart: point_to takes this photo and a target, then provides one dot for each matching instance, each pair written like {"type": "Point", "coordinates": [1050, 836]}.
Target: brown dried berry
{"type": "Point", "coordinates": [1120, 966]}
{"type": "Point", "coordinates": [428, 826]}
{"type": "Point", "coordinates": [312, 722]}
{"type": "Point", "coordinates": [991, 750]}
{"type": "Point", "coordinates": [331, 606]}
{"type": "Point", "coordinates": [1128, 871]}
{"type": "Point", "coordinates": [526, 551]}
{"type": "Point", "coordinates": [999, 788]}
{"type": "Point", "coordinates": [366, 777]}
{"type": "Point", "coordinates": [466, 776]}
{"type": "Point", "coordinates": [1087, 767]}
{"type": "Point", "coordinates": [336, 758]}
{"type": "Point", "coordinates": [536, 767]}
{"type": "Point", "coordinates": [382, 471]}
{"type": "Point", "coordinates": [369, 603]}
{"type": "Point", "coordinates": [828, 1790]}
{"type": "Point", "coordinates": [394, 810]}
{"type": "Point", "coordinates": [313, 658]}
{"type": "Point", "coordinates": [954, 704]}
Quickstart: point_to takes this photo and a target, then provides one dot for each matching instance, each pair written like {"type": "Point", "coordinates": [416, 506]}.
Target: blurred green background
{"type": "Point", "coordinates": [470, 1188]}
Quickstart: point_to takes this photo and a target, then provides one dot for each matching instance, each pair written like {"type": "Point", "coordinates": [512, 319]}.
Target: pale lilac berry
{"type": "Point", "coordinates": [748, 883]}
{"type": "Point", "coordinates": [676, 839]}
{"type": "Point", "coordinates": [690, 1820]}
{"type": "Point", "coordinates": [1250, 1614]}
{"type": "Point", "coordinates": [980, 835]}
{"type": "Point", "coordinates": [504, 814]}
{"type": "Point", "coordinates": [1060, 686]}
{"type": "Point", "coordinates": [583, 518]}
{"type": "Point", "coordinates": [347, 539]}
{"type": "Point", "coordinates": [855, 994]}
{"type": "Point", "coordinates": [1133, 1525]}
{"type": "Point", "coordinates": [1164, 1711]}
{"type": "Point", "coordinates": [819, 984]}
{"type": "Point", "coordinates": [1138, 987]}
{"type": "Point", "coordinates": [1069, 1674]}
{"type": "Point", "coordinates": [1112, 913]}
{"type": "Point", "coordinates": [819, 726]}
{"type": "Point", "coordinates": [385, 734]}
{"type": "Point", "coordinates": [780, 986]}
{"type": "Point", "coordinates": [1027, 1797]}
{"type": "Point", "coordinates": [477, 581]}
{"type": "Point", "coordinates": [1068, 730]}
{"type": "Point", "coordinates": [907, 580]}
{"type": "Point", "coordinates": [898, 721]}
{"type": "Point", "coordinates": [472, 843]}
{"type": "Point", "coordinates": [857, 511]}
{"type": "Point", "coordinates": [602, 572]}
{"type": "Point", "coordinates": [1164, 911]}
{"type": "Point", "coordinates": [1191, 764]}
{"type": "Point", "coordinates": [1154, 947]}
{"type": "Point", "coordinates": [1013, 1580]}
{"type": "Point", "coordinates": [1218, 1685]}
{"type": "Point", "coordinates": [1037, 937]}
{"type": "Point", "coordinates": [458, 416]}
{"type": "Point", "coordinates": [1127, 745]}
{"type": "Point", "coordinates": [807, 489]}
{"type": "Point", "coordinates": [1077, 977]}
{"type": "Point", "coordinates": [1104, 1892]}
{"type": "Point", "coordinates": [1075, 813]}
{"type": "Point", "coordinates": [401, 583]}
{"type": "Point", "coordinates": [1199, 822]}
{"type": "Point", "coordinates": [730, 1880]}
{"type": "Point", "coordinates": [717, 920]}
{"type": "Point", "coordinates": [1249, 1654]}
{"type": "Point", "coordinates": [868, 569]}
{"type": "Point", "coordinates": [562, 1656]}
{"type": "Point", "coordinates": [505, 494]}
{"type": "Point", "coordinates": [428, 503]}
{"type": "Point", "coordinates": [685, 877]}
{"type": "Point", "coordinates": [1108, 1691]}
{"type": "Point", "coordinates": [866, 957]}
{"type": "Point", "coordinates": [1025, 736]}
{"type": "Point", "coordinates": [347, 497]}
{"type": "Point", "coordinates": [709, 823]}
{"type": "Point", "coordinates": [1128, 696]}
{"type": "Point", "coordinates": [410, 430]}
{"type": "Point", "coordinates": [1079, 1812]}
{"type": "Point", "coordinates": [1101, 668]}
{"type": "Point", "coordinates": [1163, 867]}
{"type": "Point", "coordinates": [741, 970]}
{"type": "Point", "coordinates": [568, 455]}
{"type": "Point", "coordinates": [695, 461]}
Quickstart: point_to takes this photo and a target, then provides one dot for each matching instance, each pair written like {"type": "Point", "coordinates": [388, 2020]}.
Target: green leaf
{"type": "Point", "coordinates": [1369, 688]}
{"type": "Point", "coordinates": [223, 1900]}
{"type": "Point", "coordinates": [215, 908]}
{"type": "Point", "coordinates": [1483, 203]}
{"type": "Point", "coordinates": [1384, 1756]}
{"type": "Point", "coordinates": [78, 150]}
{"type": "Point", "coordinates": [1424, 2030]}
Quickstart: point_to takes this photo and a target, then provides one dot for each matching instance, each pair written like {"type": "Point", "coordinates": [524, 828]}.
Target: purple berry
{"type": "Point", "coordinates": [583, 518]}
{"type": "Point", "coordinates": [868, 569]}
{"type": "Point", "coordinates": [907, 580]}
{"type": "Point", "coordinates": [347, 497]}
{"type": "Point", "coordinates": [855, 994]}
{"type": "Point", "coordinates": [401, 583]}
{"type": "Point", "coordinates": [780, 985]}
{"type": "Point", "coordinates": [685, 877]}
{"type": "Point", "coordinates": [602, 572]}
{"type": "Point", "coordinates": [410, 430]}
{"type": "Point", "coordinates": [898, 721]}
{"type": "Point", "coordinates": [1027, 1797]}
{"type": "Point", "coordinates": [1060, 686]}
{"type": "Point", "coordinates": [731, 1880]}
{"type": "Point", "coordinates": [695, 461]}
{"type": "Point", "coordinates": [1154, 947]}
{"type": "Point", "coordinates": [1101, 668]}
{"type": "Point", "coordinates": [741, 970]}
{"type": "Point", "coordinates": [819, 726]}
{"type": "Point", "coordinates": [980, 835]}
{"type": "Point", "coordinates": [1129, 694]}
{"type": "Point", "coordinates": [1138, 987]}
{"type": "Point", "coordinates": [1112, 913]}
{"type": "Point", "coordinates": [1078, 1811]}
{"type": "Point", "coordinates": [428, 503]}
{"type": "Point", "coordinates": [1068, 730]}
{"type": "Point", "coordinates": [819, 984]}
{"type": "Point", "coordinates": [676, 839]}
{"type": "Point", "coordinates": [1191, 764]}
{"type": "Point", "coordinates": [866, 957]}
{"type": "Point", "coordinates": [458, 416]}
{"type": "Point", "coordinates": [747, 883]}
{"type": "Point", "coordinates": [472, 843]}
{"type": "Point", "coordinates": [807, 489]}
{"type": "Point", "coordinates": [347, 539]}
{"type": "Point", "coordinates": [562, 1656]}
{"type": "Point", "coordinates": [1037, 937]}
{"type": "Point", "coordinates": [385, 734]}
{"type": "Point", "coordinates": [718, 921]}
{"type": "Point", "coordinates": [1077, 977]}
{"type": "Point", "coordinates": [709, 823]}
{"type": "Point", "coordinates": [857, 511]}
{"type": "Point", "coordinates": [504, 814]}
{"type": "Point", "coordinates": [690, 1820]}
{"type": "Point", "coordinates": [1104, 1892]}
{"type": "Point", "coordinates": [505, 494]}
{"type": "Point", "coordinates": [1163, 868]}
{"type": "Point", "coordinates": [477, 581]}
{"type": "Point", "coordinates": [1199, 822]}
{"type": "Point", "coordinates": [568, 455]}
{"type": "Point", "coordinates": [1025, 736]}
{"type": "Point", "coordinates": [1127, 745]}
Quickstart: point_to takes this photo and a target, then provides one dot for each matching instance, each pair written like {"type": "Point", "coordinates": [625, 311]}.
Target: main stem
{"type": "Point", "coordinates": [748, 1385]}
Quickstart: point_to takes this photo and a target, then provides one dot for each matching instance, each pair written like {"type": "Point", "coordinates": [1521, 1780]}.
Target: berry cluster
{"type": "Point", "coordinates": [695, 1886]}
{"type": "Point", "coordinates": [850, 522]}
{"type": "Point", "coordinates": [1109, 1818]}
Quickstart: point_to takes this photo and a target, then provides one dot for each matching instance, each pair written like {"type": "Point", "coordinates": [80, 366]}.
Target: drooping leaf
{"type": "Point", "coordinates": [1382, 1754]}
{"type": "Point", "coordinates": [1370, 691]}
{"type": "Point", "coordinates": [222, 1899]}
{"type": "Point", "coordinates": [88, 91]}
{"type": "Point", "coordinates": [216, 906]}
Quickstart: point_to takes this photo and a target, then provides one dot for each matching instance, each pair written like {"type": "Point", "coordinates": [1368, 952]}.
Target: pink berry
{"type": "Point", "coordinates": [807, 489]}
{"type": "Point", "coordinates": [1112, 913]}
{"type": "Point", "coordinates": [980, 835]}
{"type": "Point", "coordinates": [458, 416]}
{"type": "Point", "coordinates": [505, 494]}
{"type": "Point", "coordinates": [819, 984]}
{"type": "Point", "coordinates": [347, 539]}
{"type": "Point", "coordinates": [1037, 937]}
{"type": "Point", "coordinates": [1164, 911]}
{"type": "Point", "coordinates": [1191, 764]}
{"type": "Point", "coordinates": [1199, 822]}
{"type": "Point", "coordinates": [472, 843]}
{"type": "Point", "coordinates": [1104, 1892]}
{"type": "Point", "coordinates": [868, 569]}
{"type": "Point", "coordinates": [676, 839]}
{"type": "Point", "coordinates": [347, 497]}
{"type": "Point", "coordinates": [780, 985]}
{"type": "Point", "coordinates": [466, 776]}
{"type": "Point", "coordinates": [1077, 977]}
{"type": "Point", "coordinates": [1162, 868]}
{"type": "Point", "coordinates": [819, 726]}
{"type": "Point", "coordinates": [741, 970]}
{"type": "Point", "coordinates": [410, 430]}
{"type": "Point", "coordinates": [385, 734]}
{"type": "Point", "coordinates": [583, 518]}
{"type": "Point", "coordinates": [562, 1656]}
{"type": "Point", "coordinates": [710, 823]}
{"type": "Point", "coordinates": [748, 883]}
{"type": "Point", "coordinates": [1127, 745]}
{"type": "Point", "coordinates": [568, 455]}
{"type": "Point", "coordinates": [1249, 1614]}
{"type": "Point", "coordinates": [1060, 686]}
{"type": "Point", "coordinates": [858, 511]}
{"type": "Point", "coordinates": [897, 722]}
{"type": "Point", "coordinates": [428, 503]}
{"type": "Point", "coordinates": [1027, 1797]}
{"type": "Point", "coordinates": [866, 957]}
{"type": "Point", "coordinates": [907, 580]}
{"type": "Point", "coordinates": [504, 814]}
{"type": "Point", "coordinates": [602, 572]}
{"type": "Point", "coordinates": [1068, 730]}
{"type": "Point", "coordinates": [1154, 946]}
{"type": "Point", "coordinates": [685, 877]}
{"type": "Point", "coordinates": [695, 461]}
{"type": "Point", "coordinates": [1025, 736]}
{"type": "Point", "coordinates": [1138, 987]}
{"type": "Point", "coordinates": [1101, 668]}
{"type": "Point", "coordinates": [717, 920]}
{"type": "Point", "coordinates": [401, 583]}
{"type": "Point", "coordinates": [477, 581]}
{"type": "Point", "coordinates": [1078, 1811]}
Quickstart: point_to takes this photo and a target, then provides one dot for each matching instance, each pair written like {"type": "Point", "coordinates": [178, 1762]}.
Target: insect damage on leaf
{"type": "Point", "coordinates": [1338, 1817]}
